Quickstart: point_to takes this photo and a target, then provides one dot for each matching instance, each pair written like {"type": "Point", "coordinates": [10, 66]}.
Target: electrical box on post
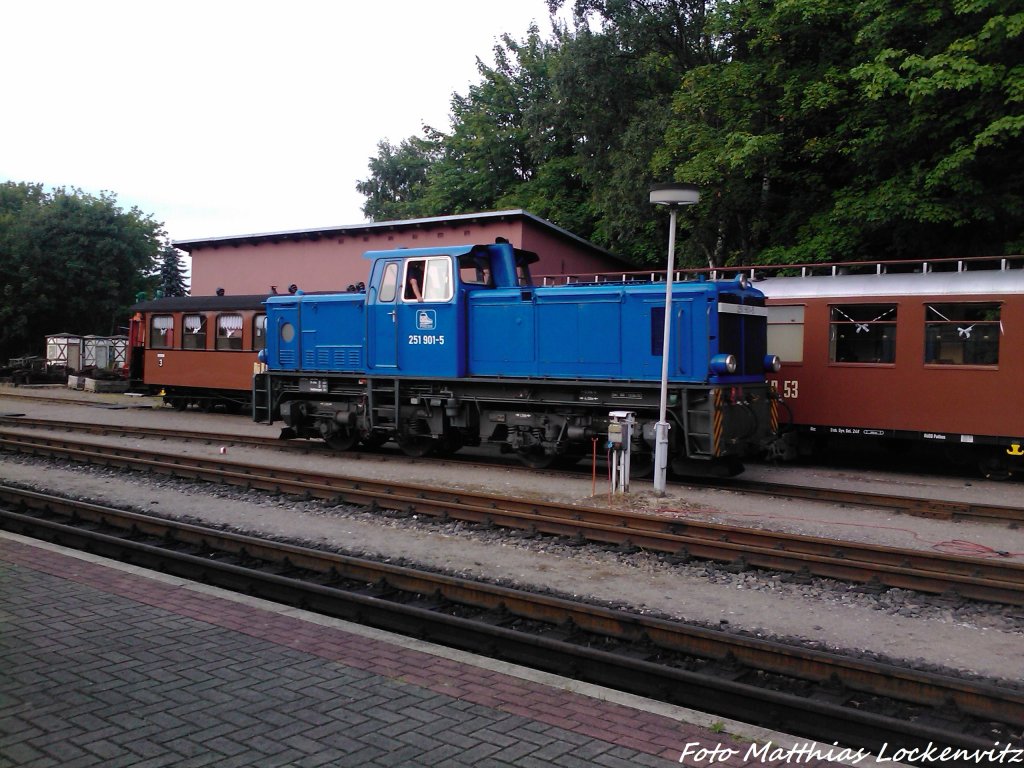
{"type": "Point", "coordinates": [620, 435]}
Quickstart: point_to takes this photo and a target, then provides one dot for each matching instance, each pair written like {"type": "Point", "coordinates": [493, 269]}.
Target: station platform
{"type": "Point", "coordinates": [104, 664]}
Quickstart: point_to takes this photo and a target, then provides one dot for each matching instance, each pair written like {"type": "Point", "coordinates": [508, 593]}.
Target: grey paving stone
{"type": "Point", "coordinates": [130, 684]}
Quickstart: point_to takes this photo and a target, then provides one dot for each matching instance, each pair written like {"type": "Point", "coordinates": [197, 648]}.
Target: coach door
{"type": "Point", "coordinates": [383, 317]}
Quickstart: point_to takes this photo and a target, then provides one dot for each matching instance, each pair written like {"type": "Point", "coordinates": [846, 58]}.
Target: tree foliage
{"type": "Point", "coordinates": [171, 276]}
{"type": "Point", "coordinates": [816, 129]}
{"type": "Point", "coordinates": [72, 263]}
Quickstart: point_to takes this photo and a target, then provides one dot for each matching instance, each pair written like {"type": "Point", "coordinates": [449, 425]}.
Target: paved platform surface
{"type": "Point", "coordinates": [103, 664]}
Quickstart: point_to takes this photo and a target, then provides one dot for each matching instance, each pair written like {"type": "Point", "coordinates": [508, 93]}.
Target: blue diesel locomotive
{"type": "Point", "coordinates": [455, 346]}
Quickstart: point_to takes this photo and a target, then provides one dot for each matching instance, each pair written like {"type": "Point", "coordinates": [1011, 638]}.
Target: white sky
{"type": "Point", "coordinates": [223, 117]}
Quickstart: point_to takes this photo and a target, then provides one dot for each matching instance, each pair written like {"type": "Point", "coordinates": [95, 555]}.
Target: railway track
{"type": "Point", "coordinates": [45, 395]}
{"type": "Point", "coordinates": [860, 703]}
{"type": "Point", "coordinates": [924, 571]}
{"type": "Point", "coordinates": [910, 505]}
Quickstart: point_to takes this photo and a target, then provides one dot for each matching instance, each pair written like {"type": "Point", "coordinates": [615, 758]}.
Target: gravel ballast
{"type": "Point", "coordinates": [923, 631]}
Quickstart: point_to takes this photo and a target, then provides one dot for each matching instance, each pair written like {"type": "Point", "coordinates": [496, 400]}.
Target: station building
{"type": "Point", "coordinates": [331, 258]}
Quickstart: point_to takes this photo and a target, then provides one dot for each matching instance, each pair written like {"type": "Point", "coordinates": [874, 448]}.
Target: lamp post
{"type": "Point", "coordinates": [674, 196]}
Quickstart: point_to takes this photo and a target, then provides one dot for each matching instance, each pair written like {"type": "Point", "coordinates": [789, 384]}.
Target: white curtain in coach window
{"type": "Point", "coordinates": [229, 325]}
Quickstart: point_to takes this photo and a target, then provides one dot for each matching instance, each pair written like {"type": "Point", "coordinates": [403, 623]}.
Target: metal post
{"type": "Point", "coordinates": [662, 427]}
{"type": "Point", "coordinates": [673, 195]}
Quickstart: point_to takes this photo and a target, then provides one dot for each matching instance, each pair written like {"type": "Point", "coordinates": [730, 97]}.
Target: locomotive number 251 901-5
{"type": "Point", "coordinates": [426, 339]}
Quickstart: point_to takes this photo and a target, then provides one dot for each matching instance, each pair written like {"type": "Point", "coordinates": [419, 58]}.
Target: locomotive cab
{"type": "Point", "coordinates": [416, 304]}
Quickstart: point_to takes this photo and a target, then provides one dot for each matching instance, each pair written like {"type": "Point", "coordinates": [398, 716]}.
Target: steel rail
{"type": "Point", "coordinates": [918, 570]}
{"type": "Point", "coordinates": [942, 509]}
{"type": "Point", "coordinates": [423, 607]}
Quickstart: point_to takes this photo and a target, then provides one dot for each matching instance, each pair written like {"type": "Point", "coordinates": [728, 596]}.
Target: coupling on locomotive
{"type": "Point", "coordinates": [456, 346]}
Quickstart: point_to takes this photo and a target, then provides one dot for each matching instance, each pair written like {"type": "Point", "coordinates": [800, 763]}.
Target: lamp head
{"type": "Point", "coordinates": [675, 194]}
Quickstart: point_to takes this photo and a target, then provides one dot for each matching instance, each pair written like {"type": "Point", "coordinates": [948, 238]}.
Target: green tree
{"type": "Point", "coordinates": [756, 131]}
{"type": "Point", "coordinates": [398, 178]}
{"type": "Point", "coordinates": [171, 279]}
{"type": "Point", "coordinates": [490, 153]}
{"type": "Point", "coordinates": [854, 129]}
{"type": "Point", "coordinates": [564, 128]}
{"type": "Point", "coordinates": [816, 129]}
{"type": "Point", "coordinates": [940, 161]}
{"type": "Point", "coordinates": [72, 262]}
{"type": "Point", "coordinates": [613, 80]}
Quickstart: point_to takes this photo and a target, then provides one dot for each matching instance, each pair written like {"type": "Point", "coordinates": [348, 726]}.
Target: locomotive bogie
{"type": "Point", "coordinates": [541, 424]}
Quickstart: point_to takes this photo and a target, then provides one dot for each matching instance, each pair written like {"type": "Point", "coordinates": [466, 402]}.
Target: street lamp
{"type": "Point", "coordinates": [674, 196]}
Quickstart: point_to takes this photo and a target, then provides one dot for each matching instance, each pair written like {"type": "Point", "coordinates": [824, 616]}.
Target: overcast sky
{"type": "Point", "coordinates": [223, 118]}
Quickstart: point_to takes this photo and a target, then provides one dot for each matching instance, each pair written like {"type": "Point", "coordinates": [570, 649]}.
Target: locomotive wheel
{"type": "Point", "coordinates": [536, 459]}
{"type": "Point", "coordinates": [343, 441]}
{"type": "Point", "coordinates": [374, 440]}
{"type": "Point", "coordinates": [178, 403]}
{"type": "Point", "coordinates": [568, 460]}
{"type": "Point", "coordinates": [416, 446]}
{"type": "Point", "coordinates": [449, 443]}
{"type": "Point", "coordinates": [641, 466]}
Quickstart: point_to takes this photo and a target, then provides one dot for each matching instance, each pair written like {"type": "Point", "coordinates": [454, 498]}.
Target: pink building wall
{"type": "Point", "coordinates": [332, 259]}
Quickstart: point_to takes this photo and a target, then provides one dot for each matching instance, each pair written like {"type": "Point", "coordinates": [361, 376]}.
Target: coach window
{"type": "Point", "coordinates": [161, 335]}
{"type": "Point", "coordinates": [229, 331]}
{"type": "Point", "coordinates": [259, 332]}
{"type": "Point", "coordinates": [194, 332]}
{"type": "Point", "coordinates": [863, 333]}
{"type": "Point", "coordinates": [786, 333]}
{"type": "Point", "coordinates": [962, 334]}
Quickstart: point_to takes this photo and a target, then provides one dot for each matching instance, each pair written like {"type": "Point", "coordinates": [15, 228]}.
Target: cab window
{"type": "Point", "coordinates": [389, 283]}
{"type": "Point", "coordinates": [475, 269]}
{"type": "Point", "coordinates": [523, 261]}
{"type": "Point", "coordinates": [428, 279]}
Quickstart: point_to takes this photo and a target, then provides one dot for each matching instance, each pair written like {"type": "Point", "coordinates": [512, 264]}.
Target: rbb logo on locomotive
{"type": "Point", "coordinates": [426, 320]}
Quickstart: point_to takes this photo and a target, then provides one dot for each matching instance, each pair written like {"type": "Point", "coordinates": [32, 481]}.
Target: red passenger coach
{"type": "Point", "coordinates": [198, 350]}
{"type": "Point", "coordinates": [933, 355]}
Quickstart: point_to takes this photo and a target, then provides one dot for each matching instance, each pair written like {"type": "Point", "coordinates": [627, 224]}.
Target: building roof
{"type": "Point", "coordinates": [385, 226]}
